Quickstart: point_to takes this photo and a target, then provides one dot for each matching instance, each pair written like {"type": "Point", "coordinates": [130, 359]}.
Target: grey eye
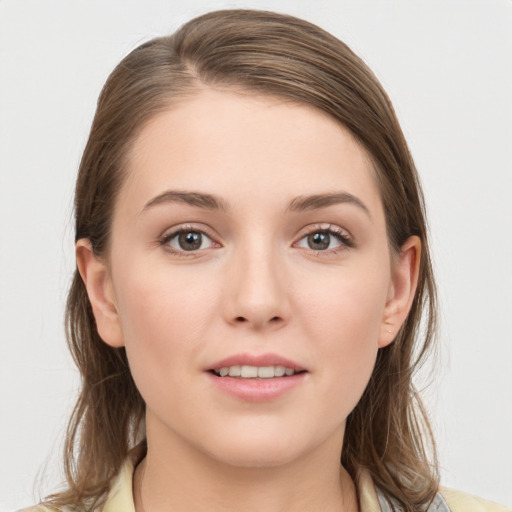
{"type": "Point", "coordinates": [319, 241]}
{"type": "Point", "coordinates": [325, 239]}
{"type": "Point", "coordinates": [190, 240]}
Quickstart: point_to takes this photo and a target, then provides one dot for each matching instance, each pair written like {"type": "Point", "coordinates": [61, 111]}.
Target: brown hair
{"type": "Point", "coordinates": [388, 432]}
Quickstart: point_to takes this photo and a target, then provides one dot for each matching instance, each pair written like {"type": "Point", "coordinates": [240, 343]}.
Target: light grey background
{"type": "Point", "coordinates": [447, 67]}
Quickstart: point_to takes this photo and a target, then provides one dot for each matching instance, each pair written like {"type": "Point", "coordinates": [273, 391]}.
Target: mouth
{"type": "Point", "coordinates": [255, 372]}
{"type": "Point", "coordinates": [256, 378]}
{"type": "Point", "coordinates": [261, 366]}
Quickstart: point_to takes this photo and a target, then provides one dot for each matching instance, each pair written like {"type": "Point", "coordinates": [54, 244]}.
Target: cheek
{"type": "Point", "coordinates": [164, 301]}
{"type": "Point", "coordinates": [348, 306]}
{"type": "Point", "coordinates": [344, 320]}
{"type": "Point", "coordinates": [162, 318]}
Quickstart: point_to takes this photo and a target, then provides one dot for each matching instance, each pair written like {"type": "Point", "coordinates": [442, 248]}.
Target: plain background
{"type": "Point", "coordinates": [447, 67]}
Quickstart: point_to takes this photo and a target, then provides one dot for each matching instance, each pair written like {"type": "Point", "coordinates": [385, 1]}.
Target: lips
{"type": "Point", "coordinates": [256, 378]}
{"type": "Point", "coordinates": [252, 372]}
{"type": "Point", "coordinates": [256, 366]}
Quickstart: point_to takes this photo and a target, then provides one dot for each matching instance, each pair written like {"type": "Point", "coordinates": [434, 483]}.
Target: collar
{"type": "Point", "coordinates": [120, 496]}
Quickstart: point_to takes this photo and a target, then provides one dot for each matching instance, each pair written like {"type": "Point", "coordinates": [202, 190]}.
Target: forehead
{"type": "Point", "coordinates": [236, 143]}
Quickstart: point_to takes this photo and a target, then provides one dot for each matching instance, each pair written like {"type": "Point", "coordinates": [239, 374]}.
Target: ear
{"type": "Point", "coordinates": [404, 280]}
{"type": "Point", "coordinates": [96, 277]}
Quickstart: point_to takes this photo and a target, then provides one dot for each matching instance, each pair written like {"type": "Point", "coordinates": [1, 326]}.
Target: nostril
{"type": "Point", "coordinates": [242, 319]}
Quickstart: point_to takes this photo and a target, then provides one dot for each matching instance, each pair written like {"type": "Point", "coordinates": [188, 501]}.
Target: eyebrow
{"type": "Point", "coordinates": [299, 204]}
{"type": "Point", "coordinates": [197, 199]}
{"type": "Point", "coordinates": [317, 201]}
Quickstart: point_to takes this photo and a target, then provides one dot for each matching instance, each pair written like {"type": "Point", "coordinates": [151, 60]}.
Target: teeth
{"type": "Point", "coordinates": [234, 371]}
{"type": "Point", "coordinates": [266, 372]}
{"type": "Point", "coordinates": [251, 372]}
{"type": "Point", "coordinates": [279, 371]}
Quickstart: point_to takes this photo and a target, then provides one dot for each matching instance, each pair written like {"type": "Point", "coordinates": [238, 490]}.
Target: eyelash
{"type": "Point", "coordinates": [341, 235]}
{"type": "Point", "coordinates": [165, 240]}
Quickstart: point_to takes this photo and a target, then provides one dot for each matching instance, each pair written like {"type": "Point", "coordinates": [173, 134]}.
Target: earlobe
{"type": "Point", "coordinates": [404, 281]}
{"type": "Point", "coordinates": [97, 280]}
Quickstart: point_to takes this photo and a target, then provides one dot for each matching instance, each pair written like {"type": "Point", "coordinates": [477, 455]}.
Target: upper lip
{"type": "Point", "coordinates": [256, 360]}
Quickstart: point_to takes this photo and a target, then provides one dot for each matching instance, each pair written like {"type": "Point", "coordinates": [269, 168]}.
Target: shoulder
{"type": "Point", "coordinates": [35, 508]}
{"type": "Point", "coordinates": [42, 508]}
{"type": "Point", "coordinates": [462, 502]}
{"type": "Point", "coordinates": [120, 496]}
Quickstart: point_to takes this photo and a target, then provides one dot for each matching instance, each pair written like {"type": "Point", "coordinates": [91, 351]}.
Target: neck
{"type": "Point", "coordinates": [180, 479]}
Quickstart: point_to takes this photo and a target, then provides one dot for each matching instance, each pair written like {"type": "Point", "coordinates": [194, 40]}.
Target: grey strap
{"type": "Point", "coordinates": [390, 505]}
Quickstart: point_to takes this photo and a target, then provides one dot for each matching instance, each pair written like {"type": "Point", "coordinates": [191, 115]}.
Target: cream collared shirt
{"type": "Point", "coordinates": [120, 497]}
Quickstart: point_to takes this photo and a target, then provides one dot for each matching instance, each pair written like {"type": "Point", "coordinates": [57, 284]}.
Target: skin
{"type": "Point", "coordinates": [255, 286]}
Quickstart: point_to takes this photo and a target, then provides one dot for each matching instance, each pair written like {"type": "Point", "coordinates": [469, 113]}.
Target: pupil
{"type": "Point", "coordinates": [190, 241]}
{"type": "Point", "coordinates": [319, 240]}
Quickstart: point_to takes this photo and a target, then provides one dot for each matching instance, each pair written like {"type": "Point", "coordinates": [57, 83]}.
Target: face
{"type": "Point", "coordinates": [248, 241]}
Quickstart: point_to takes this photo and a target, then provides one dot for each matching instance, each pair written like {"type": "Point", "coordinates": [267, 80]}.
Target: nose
{"type": "Point", "coordinates": [258, 296]}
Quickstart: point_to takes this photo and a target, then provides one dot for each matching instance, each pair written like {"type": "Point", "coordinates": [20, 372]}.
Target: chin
{"type": "Point", "coordinates": [260, 449]}
{"type": "Point", "coordinates": [257, 458]}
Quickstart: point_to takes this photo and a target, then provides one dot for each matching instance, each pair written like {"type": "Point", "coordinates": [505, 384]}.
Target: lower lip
{"type": "Point", "coordinates": [257, 390]}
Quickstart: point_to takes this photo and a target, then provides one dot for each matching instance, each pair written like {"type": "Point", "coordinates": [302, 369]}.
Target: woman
{"type": "Point", "coordinates": [253, 267]}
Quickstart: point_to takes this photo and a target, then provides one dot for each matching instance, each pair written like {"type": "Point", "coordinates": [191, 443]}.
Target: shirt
{"type": "Point", "coordinates": [120, 497]}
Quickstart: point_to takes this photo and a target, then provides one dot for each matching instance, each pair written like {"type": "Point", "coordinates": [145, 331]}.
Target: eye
{"type": "Point", "coordinates": [186, 240]}
{"type": "Point", "coordinates": [326, 239]}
